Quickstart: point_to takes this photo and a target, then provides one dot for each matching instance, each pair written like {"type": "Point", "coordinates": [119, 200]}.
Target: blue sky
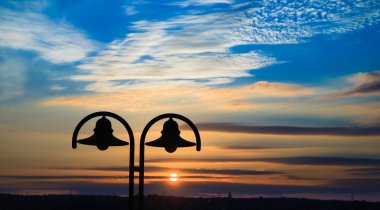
{"type": "Point", "coordinates": [309, 44]}
{"type": "Point", "coordinates": [245, 71]}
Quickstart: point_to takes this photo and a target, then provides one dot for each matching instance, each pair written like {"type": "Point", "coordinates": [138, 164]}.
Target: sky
{"type": "Point", "coordinates": [285, 94]}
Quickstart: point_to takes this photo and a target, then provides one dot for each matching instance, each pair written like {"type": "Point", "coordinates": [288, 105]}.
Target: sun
{"type": "Point", "coordinates": [173, 177]}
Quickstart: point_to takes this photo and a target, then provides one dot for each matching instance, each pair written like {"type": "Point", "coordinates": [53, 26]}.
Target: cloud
{"type": "Point", "coordinates": [194, 170]}
{"type": "Point", "coordinates": [200, 188]}
{"type": "Point", "coordinates": [12, 77]}
{"type": "Point", "coordinates": [187, 3]}
{"type": "Point", "coordinates": [184, 48]}
{"type": "Point", "coordinates": [57, 88]}
{"type": "Point", "coordinates": [369, 185]}
{"type": "Point", "coordinates": [231, 172]}
{"type": "Point", "coordinates": [280, 89]}
{"type": "Point", "coordinates": [205, 66]}
{"type": "Point", "coordinates": [196, 45]}
{"type": "Point", "coordinates": [184, 94]}
{"type": "Point", "coordinates": [291, 130]}
{"type": "Point", "coordinates": [131, 10]}
{"type": "Point", "coordinates": [64, 177]}
{"type": "Point", "coordinates": [278, 22]}
{"type": "Point", "coordinates": [363, 84]}
{"type": "Point", "coordinates": [373, 171]}
{"type": "Point", "coordinates": [74, 177]}
{"type": "Point", "coordinates": [57, 42]}
{"type": "Point", "coordinates": [245, 147]}
{"type": "Point", "coordinates": [302, 160]}
{"type": "Point", "coordinates": [340, 161]}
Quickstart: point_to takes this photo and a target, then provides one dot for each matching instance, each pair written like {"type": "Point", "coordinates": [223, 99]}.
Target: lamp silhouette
{"type": "Point", "coordinates": [170, 139]}
{"type": "Point", "coordinates": [103, 138]}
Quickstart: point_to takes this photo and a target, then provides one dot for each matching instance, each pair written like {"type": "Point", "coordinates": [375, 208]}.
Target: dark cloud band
{"type": "Point", "coordinates": [290, 130]}
{"type": "Point", "coordinates": [300, 160]}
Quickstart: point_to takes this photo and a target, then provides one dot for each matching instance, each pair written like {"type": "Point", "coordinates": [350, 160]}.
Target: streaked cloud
{"type": "Point", "coordinates": [54, 41]}
{"type": "Point", "coordinates": [63, 177]}
{"type": "Point", "coordinates": [266, 88]}
{"type": "Point", "coordinates": [373, 171]}
{"type": "Point", "coordinates": [195, 170]}
{"type": "Point", "coordinates": [202, 188]}
{"type": "Point", "coordinates": [231, 172]}
{"type": "Point", "coordinates": [185, 94]}
{"type": "Point", "coordinates": [341, 161]}
{"type": "Point", "coordinates": [292, 130]}
{"type": "Point", "coordinates": [89, 177]}
{"type": "Point", "coordinates": [302, 160]}
{"type": "Point", "coordinates": [246, 147]}
{"type": "Point", "coordinates": [363, 84]}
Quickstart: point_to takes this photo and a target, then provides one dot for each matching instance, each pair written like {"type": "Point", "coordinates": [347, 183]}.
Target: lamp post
{"type": "Point", "coordinates": [170, 140]}
{"type": "Point", "coordinates": [103, 138]}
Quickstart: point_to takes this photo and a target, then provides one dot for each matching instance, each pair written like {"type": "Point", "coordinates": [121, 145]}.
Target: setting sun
{"type": "Point", "coordinates": [173, 177]}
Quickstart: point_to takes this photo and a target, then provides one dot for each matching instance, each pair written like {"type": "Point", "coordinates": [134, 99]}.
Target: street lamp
{"type": "Point", "coordinates": [103, 138]}
{"type": "Point", "coordinates": [170, 140]}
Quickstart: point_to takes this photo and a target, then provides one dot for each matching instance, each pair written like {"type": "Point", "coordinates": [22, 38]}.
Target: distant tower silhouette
{"type": "Point", "coordinates": [229, 195]}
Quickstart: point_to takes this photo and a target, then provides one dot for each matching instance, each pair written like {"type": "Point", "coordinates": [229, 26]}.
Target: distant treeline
{"type": "Point", "coordinates": [96, 202]}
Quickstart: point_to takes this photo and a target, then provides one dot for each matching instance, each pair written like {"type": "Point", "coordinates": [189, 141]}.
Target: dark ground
{"type": "Point", "coordinates": [88, 202]}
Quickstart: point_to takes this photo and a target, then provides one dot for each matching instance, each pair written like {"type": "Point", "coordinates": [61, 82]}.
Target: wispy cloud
{"type": "Point", "coordinates": [131, 10]}
{"type": "Point", "coordinates": [12, 77]}
{"type": "Point", "coordinates": [192, 47]}
{"type": "Point", "coordinates": [187, 3]}
{"type": "Point", "coordinates": [55, 41]}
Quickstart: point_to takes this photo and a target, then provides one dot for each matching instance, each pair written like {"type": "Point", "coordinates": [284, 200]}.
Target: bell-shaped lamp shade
{"type": "Point", "coordinates": [170, 138]}
{"type": "Point", "coordinates": [103, 137]}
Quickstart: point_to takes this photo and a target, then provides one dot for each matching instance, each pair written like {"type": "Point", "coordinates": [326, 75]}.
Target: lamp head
{"type": "Point", "coordinates": [103, 137]}
{"type": "Point", "coordinates": [170, 138]}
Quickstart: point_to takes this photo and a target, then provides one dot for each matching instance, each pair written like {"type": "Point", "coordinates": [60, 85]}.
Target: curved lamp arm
{"type": "Point", "coordinates": [96, 114]}
{"type": "Point", "coordinates": [131, 146]}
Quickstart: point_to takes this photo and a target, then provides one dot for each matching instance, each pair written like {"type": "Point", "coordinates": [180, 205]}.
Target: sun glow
{"type": "Point", "coordinates": [173, 177]}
